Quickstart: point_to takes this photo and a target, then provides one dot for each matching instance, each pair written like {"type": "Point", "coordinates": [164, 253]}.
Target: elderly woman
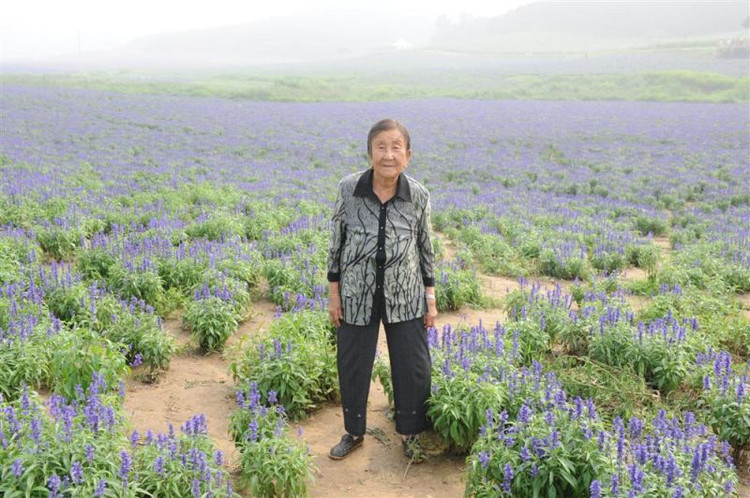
{"type": "Point", "coordinates": [380, 268]}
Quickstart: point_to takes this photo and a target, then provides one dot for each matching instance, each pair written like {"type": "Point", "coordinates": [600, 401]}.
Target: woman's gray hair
{"type": "Point", "coordinates": [385, 125]}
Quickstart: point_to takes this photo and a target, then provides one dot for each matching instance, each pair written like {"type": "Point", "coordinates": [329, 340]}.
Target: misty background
{"type": "Point", "coordinates": [345, 34]}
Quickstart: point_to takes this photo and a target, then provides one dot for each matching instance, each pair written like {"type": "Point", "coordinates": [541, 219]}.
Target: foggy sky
{"type": "Point", "coordinates": [43, 28]}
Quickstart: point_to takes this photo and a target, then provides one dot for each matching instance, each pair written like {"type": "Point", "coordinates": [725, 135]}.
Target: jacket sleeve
{"type": "Point", "coordinates": [426, 253]}
{"type": "Point", "coordinates": [337, 237]}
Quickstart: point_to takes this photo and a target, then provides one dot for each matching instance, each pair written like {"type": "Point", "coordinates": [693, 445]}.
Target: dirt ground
{"type": "Point", "coordinates": [198, 383]}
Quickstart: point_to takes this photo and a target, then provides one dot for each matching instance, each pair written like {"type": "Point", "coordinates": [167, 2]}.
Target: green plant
{"type": "Point", "coordinates": [145, 285]}
{"type": "Point", "coordinates": [78, 356]}
{"type": "Point", "coordinates": [272, 462]}
{"type": "Point", "coordinates": [554, 265]}
{"type": "Point", "coordinates": [651, 225]}
{"type": "Point", "coordinates": [456, 287]}
{"type": "Point", "coordinates": [57, 242]}
{"type": "Point", "coordinates": [211, 320]}
{"type": "Point", "coordinates": [78, 448]}
{"type": "Point", "coordinates": [542, 453]}
{"type": "Point", "coordinates": [459, 404]}
{"type": "Point", "coordinates": [67, 302]}
{"type": "Point", "coordinates": [296, 360]}
{"type": "Point", "coordinates": [95, 263]}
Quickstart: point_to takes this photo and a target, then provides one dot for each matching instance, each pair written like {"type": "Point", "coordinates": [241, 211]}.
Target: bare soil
{"type": "Point", "coordinates": [744, 300]}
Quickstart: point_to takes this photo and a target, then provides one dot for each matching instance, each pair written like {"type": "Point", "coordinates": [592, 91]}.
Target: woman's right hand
{"type": "Point", "coordinates": [334, 305]}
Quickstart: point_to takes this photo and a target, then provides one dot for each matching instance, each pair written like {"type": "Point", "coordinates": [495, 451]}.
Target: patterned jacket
{"type": "Point", "coordinates": [378, 248]}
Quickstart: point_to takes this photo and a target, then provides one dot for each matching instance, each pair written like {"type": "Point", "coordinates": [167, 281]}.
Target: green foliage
{"type": "Point", "coordinates": [140, 333]}
{"type": "Point", "coordinates": [493, 254]}
{"type": "Point", "coordinates": [24, 361]}
{"type": "Point", "coordinates": [95, 263]}
{"type": "Point", "coordinates": [456, 287]}
{"type": "Point", "coordinates": [565, 462]}
{"type": "Point", "coordinates": [182, 274]}
{"type": "Point", "coordinates": [725, 401]}
{"type": "Point", "coordinates": [427, 82]}
{"type": "Point", "coordinates": [59, 243]}
{"type": "Point", "coordinates": [143, 285]}
{"type": "Point", "coordinates": [651, 225]}
{"type": "Point", "coordinates": [458, 406]}
{"type": "Point", "coordinates": [212, 321]}
{"type": "Point", "coordinates": [82, 445]}
{"type": "Point", "coordinates": [645, 256]}
{"type": "Point", "coordinates": [273, 463]}
{"type": "Point", "coordinates": [533, 341]}
{"type": "Point", "coordinates": [381, 372]}
{"type": "Point", "coordinates": [296, 359]}
{"type": "Point", "coordinates": [660, 356]}
{"type": "Point", "coordinates": [617, 391]}
{"type": "Point", "coordinates": [215, 227]}
{"type": "Point", "coordinates": [608, 261]}
{"type": "Point", "coordinates": [67, 303]}
{"type": "Point", "coordinates": [77, 356]}
{"type": "Point", "coordinates": [568, 269]}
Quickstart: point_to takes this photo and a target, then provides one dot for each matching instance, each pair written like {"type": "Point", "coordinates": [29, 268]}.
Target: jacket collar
{"type": "Point", "coordinates": [364, 186]}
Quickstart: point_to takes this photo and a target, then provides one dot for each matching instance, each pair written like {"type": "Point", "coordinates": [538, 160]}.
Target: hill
{"type": "Point", "coordinates": [569, 26]}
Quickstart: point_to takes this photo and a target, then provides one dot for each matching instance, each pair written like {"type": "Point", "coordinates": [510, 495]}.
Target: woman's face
{"type": "Point", "coordinates": [389, 154]}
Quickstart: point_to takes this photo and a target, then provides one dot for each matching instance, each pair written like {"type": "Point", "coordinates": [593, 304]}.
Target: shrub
{"type": "Point", "coordinates": [725, 399]}
{"type": "Point", "coordinates": [78, 356]}
{"type": "Point", "coordinates": [455, 287]}
{"type": "Point", "coordinates": [59, 243]}
{"type": "Point", "coordinates": [95, 263]}
{"type": "Point", "coordinates": [212, 321]}
{"type": "Point", "coordinates": [272, 462]}
{"type": "Point", "coordinates": [296, 359]}
{"type": "Point", "coordinates": [650, 225]}
{"type": "Point", "coordinates": [556, 265]}
{"type": "Point", "coordinates": [143, 285]}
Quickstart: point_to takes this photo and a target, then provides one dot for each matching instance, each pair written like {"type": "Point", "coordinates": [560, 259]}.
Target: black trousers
{"type": "Point", "coordinates": [410, 373]}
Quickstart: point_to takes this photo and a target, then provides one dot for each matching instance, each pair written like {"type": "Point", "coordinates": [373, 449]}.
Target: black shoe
{"type": "Point", "coordinates": [413, 449]}
{"type": "Point", "coordinates": [347, 444]}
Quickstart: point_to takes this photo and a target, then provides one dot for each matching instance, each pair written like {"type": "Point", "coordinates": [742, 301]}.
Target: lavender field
{"type": "Point", "coordinates": [628, 378]}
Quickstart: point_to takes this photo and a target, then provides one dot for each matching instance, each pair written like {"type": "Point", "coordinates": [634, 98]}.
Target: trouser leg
{"type": "Point", "coordinates": [410, 373]}
{"type": "Point", "coordinates": [355, 357]}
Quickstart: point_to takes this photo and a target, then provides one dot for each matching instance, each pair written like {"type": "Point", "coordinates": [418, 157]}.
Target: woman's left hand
{"type": "Point", "coordinates": [429, 317]}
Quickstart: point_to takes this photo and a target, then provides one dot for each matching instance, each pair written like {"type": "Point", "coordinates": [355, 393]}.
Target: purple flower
{"type": "Point", "coordinates": [54, 485]}
{"type": "Point", "coordinates": [507, 477]}
{"type": "Point", "coordinates": [614, 485]}
{"type": "Point", "coordinates": [159, 465]}
{"type": "Point", "coordinates": [253, 436]}
{"type": "Point", "coordinates": [484, 459]}
{"type": "Point", "coordinates": [137, 360]}
{"type": "Point", "coordinates": [89, 453]}
{"type": "Point", "coordinates": [100, 487]}
{"type": "Point", "coordinates": [76, 473]}
{"type": "Point", "coordinates": [595, 489]}
{"type": "Point", "coordinates": [524, 414]}
{"type": "Point", "coordinates": [219, 458]}
{"type": "Point", "coordinates": [125, 465]}
{"type": "Point", "coordinates": [17, 467]}
{"type": "Point", "coordinates": [134, 437]}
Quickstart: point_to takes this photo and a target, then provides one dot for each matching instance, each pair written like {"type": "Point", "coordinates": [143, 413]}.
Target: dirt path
{"type": "Point", "coordinates": [744, 300]}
